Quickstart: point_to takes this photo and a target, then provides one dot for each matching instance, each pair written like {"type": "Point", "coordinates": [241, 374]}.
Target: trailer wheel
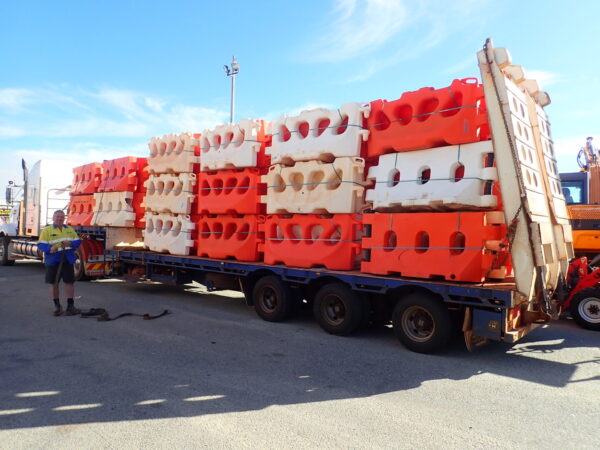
{"type": "Point", "coordinates": [4, 261]}
{"type": "Point", "coordinates": [422, 323]}
{"type": "Point", "coordinates": [273, 299]}
{"type": "Point", "coordinates": [79, 266]}
{"type": "Point", "coordinates": [585, 308]}
{"type": "Point", "coordinates": [338, 309]}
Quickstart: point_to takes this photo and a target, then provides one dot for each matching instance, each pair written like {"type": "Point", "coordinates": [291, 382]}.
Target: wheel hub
{"type": "Point", "coordinates": [418, 323]}
{"type": "Point", "coordinates": [269, 299]}
{"type": "Point", "coordinates": [589, 309]}
{"type": "Point", "coordinates": [334, 309]}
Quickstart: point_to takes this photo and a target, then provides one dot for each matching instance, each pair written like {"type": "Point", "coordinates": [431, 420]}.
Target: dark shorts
{"type": "Point", "coordinates": [67, 273]}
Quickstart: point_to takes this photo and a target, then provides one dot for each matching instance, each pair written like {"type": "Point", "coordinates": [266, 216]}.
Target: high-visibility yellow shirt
{"type": "Point", "coordinates": [52, 236]}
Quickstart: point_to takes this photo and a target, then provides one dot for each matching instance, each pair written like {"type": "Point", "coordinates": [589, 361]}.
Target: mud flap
{"type": "Point", "coordinates": [472, 341]}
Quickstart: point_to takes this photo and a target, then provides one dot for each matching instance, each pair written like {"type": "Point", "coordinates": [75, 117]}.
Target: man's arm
{"type": "Point", "coordinates": [43, 243]}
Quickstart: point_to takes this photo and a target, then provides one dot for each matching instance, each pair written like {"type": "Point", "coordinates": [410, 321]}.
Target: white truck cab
{"type": "Point", "coordinates": [45, 190]}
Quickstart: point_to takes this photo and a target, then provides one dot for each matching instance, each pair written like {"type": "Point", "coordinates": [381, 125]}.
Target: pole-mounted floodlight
{"type": "Point", "coordinates": [235, 68]}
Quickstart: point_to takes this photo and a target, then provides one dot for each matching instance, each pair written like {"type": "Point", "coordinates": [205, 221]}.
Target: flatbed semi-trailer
{"type": "Point", "coordinates": [342, 301]}
{"type": "Point", "coordinates": [518, 160]}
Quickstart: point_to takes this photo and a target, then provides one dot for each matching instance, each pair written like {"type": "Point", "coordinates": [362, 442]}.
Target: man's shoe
{"type": "Point", "coordinates": [57, 310]}
{"type": "Point", "coordinates": [71, 311]}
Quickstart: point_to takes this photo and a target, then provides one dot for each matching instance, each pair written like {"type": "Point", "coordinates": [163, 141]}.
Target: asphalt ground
{"type": "Point", "coordinates": [214, 375]}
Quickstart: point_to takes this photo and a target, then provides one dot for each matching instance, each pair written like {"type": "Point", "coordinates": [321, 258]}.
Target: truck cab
{"type": "Point", "coordinates": [582, 195]}
{"type": "Point", "coordinates": [575, 187]}
{"type": "Point", "coordinates": [45, 189]}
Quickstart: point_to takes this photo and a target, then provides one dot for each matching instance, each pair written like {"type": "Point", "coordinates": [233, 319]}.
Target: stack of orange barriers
{"type": "Point", "coordinates": [86, 180]}
{"type": "Point", "coordinates": [453, 246]}
{"type": "Point", "coordinates": [467, 246]}
{"type": "Point", "coordinates": [231, 210]}
{"type": "Point", "coordinates": [128, 174]}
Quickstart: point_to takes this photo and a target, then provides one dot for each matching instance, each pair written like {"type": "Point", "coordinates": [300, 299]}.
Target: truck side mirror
{"type": "Point", "coordinates": [9, 196]}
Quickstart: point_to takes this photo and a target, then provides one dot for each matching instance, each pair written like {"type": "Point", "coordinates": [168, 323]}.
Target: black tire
{"type": "Point", "coordinates": [79, 267]}
{"type": "Point", "coordinates": [4, 261]}
{"type": "Point", "coordinates": [338, 309]}
{"type": "Point", "coordinates": [273, 299]}
{"type": "Point", "coordinates": [585, 308]}
{"type": "Point", "coordinates": [422, 323]}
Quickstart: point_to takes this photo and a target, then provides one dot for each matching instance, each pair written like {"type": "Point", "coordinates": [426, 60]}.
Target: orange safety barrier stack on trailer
{"type": "Point", "coordinates": [120, 175]}
{"type": "Point", "coordinates": [143, 173]}
{"type": "Point", "coordinates": [81, 210]}
{"type": "Point", "coordinates": [231, 192]}
{"type": "Point", "coordinates": [139, 208]}
{"type": "Point", "coordinates": [429, 118]}
{"type": "Point", "coordinates": [309, 240]}
{"type": "Point", "coordinates": [229, 237]}
{"type": "Point", "coordinates": [457, 246]}
{"type": "Point", "coordinates": [86, 178]}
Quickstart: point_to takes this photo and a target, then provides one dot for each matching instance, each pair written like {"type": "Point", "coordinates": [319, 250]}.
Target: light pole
{"type": "Point", "coordinates": [235, 68]}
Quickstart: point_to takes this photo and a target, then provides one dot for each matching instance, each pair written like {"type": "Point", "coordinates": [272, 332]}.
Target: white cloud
{"type": "Point", "coordinates": [105, 113]}
{"type": "Point", "coordinates": [543, 77]}
{"type": "Point", "coordinates": [83, 153]}
{"type": "Point", "coordinates": [364, 75]}
{"type": "Point", "coordinates": [570, 145]}
{"type": "Point", "coordinates": [14, 100]}
{"type": "Point", "coordinates": [12, 131]}
{"type": "Point", "coordinates": [461, 65]}
{"type": "Point", "coordinates": [195, 118]}
{"type": "Point", "coordinates": [129, 103]}
{"type": "Point", "coordinates": [380, 34]}
{"type": "Point", "coordinates": [63, 122]}
{"type": "Point", "coordinates": [359, 27]}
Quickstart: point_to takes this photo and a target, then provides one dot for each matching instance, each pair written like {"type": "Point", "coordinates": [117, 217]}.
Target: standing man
{"type": "Point", "coordinates": [58, 242]}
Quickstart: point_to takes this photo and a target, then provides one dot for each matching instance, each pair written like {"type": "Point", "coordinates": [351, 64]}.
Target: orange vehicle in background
{"type": "Point", "coordinates": [582, 194]}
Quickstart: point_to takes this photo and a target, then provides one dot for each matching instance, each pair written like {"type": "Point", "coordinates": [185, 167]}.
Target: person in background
{"type": "Point", "coordinates": [58, 242]}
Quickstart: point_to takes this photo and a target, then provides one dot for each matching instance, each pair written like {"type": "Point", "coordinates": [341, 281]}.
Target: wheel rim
{"type": "Point", "coordinates": [589, 309]}
{"type": "Point", "coordinates": [418, 324]}
{"type": "Point", "coordinates": [268, 299]}
{"type": "Point", "coordinates": [333, 310]}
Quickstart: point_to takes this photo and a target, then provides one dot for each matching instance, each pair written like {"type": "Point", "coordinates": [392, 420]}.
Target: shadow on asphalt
{"type": "Point", "coordinates": [214, 356]}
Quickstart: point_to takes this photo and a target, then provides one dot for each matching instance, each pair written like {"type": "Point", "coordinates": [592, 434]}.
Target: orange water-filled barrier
{"type": "Point", "coordinates": [139, 208]}
{"type": "Point", "coordinates": [123, 174]}
{"type": "Point", "coordinates": [429, 118]}
{"type": "Point", "coordinates": [86, 179]}
{"type": "Point", "coordinates": [81, 210]}
{"type": "Point", "coordinates": [307, 240]}
{"type": "Point", "coordinates": [143, 174]}
{"type": "Point", "coordinates": [230, 237]}
{"type": "Point", "coordinates": [457, 246]}
{"type": "Point", "coordinates": [231, 192]}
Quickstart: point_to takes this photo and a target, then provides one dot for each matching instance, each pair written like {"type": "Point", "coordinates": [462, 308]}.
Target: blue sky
{"type": "Point", "coordinates": [87, 80]}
